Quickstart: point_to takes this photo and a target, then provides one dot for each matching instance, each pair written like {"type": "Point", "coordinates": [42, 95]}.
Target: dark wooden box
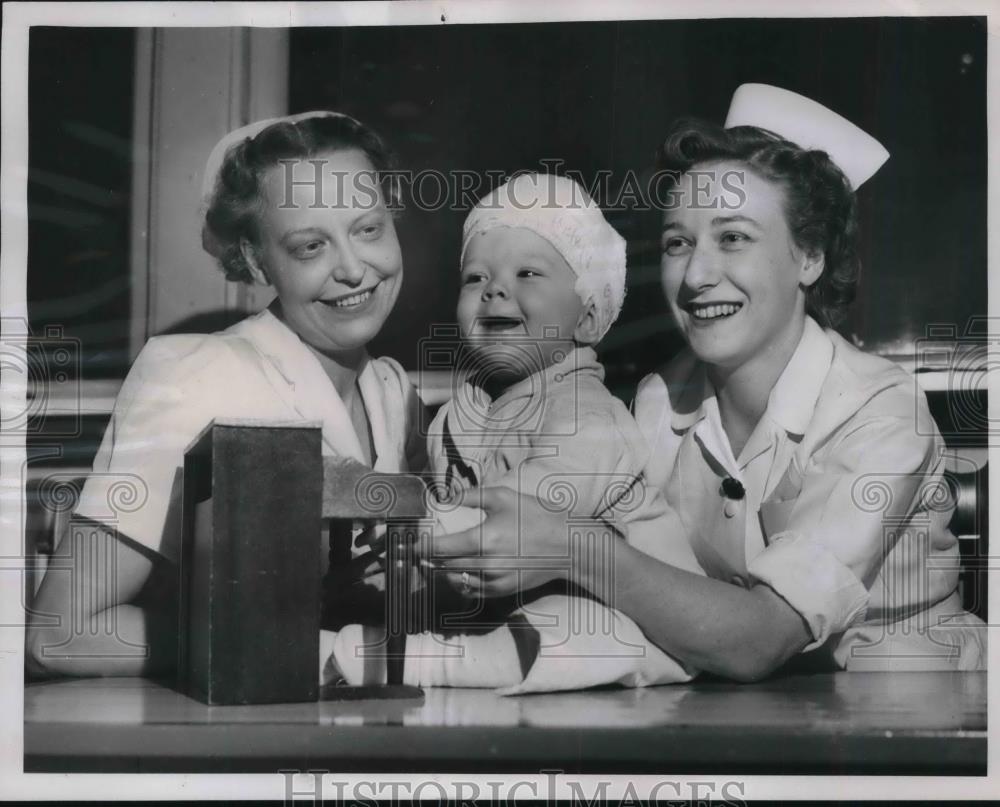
{"type": "Point", "coordinates": [250, 564]}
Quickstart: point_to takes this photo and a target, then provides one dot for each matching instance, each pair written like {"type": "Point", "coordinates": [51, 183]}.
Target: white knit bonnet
{"type": "Point", "coordinates": [560, 211]}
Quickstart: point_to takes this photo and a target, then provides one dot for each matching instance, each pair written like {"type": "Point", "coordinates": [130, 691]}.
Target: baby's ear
{"type": "Point", "coordinates": [588, 329]}
{"type": "Point", "coordinates": [253, 264]}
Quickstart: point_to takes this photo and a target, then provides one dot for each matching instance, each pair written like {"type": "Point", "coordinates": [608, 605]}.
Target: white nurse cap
{"type": "Point", "coordinates": [810, 125]}
{"type": "Point", "coordinates": [214, 162]}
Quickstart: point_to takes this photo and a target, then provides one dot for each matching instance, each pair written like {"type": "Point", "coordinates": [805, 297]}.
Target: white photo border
{"type": "Point", "coordinates": [17, 20]}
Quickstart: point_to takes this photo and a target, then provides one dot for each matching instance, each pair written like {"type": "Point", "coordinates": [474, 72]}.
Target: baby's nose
{"type": "Point", "coordinates": [494, 289]}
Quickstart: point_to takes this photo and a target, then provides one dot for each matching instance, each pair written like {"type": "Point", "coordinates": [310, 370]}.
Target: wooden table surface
{"type": "Point", "coordinates": [878, 723]}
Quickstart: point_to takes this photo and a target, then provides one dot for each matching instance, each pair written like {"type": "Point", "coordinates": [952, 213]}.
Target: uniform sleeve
{"type": "Point", "coordinates": [656, 528]}
{"type": "Point", "coordinates": [834, 536]}
{"type": "Point", "coordinates": [166, 400]}
{"type": "Point", "coordinates": [651, 409]}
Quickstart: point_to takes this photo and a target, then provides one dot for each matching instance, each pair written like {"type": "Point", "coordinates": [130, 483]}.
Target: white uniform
{"type": "Point", "coordinates": [842, 514]}
{"type": "Point", "coordinates": [256, 369]}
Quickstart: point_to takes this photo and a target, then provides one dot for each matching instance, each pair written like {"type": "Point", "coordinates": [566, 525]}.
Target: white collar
{"type": "Point", "coordinates": [310, 392]}
{"type": "Point", "coordinates": [792, 401]}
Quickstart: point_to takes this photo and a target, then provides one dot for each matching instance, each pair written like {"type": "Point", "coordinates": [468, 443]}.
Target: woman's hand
{"type": "Point", "coordinates": [523, 544]}
{"type": "Point", "coordinates": [501, 556]}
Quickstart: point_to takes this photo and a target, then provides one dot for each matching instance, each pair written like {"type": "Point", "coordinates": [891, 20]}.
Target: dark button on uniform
{"type": "Point", "coordinates": [733, 492]}
{"type": "Point", "coordinates": [733, 489]}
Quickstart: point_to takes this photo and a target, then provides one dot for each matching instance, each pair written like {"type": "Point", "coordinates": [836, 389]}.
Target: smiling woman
{"type": "Point", "coordinates": [336, 267]}
{"type": "Point", "coordinates": [805, 475]}
{"type": "Point", "coordinates": [330, 253]}
{"type": "Point", "coordinates": [730, 280]}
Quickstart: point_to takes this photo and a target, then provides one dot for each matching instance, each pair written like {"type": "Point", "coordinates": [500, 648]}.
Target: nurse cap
{"type": "Point", "coordinates": [810, 125]}
{"type": "Point", "coordinates": [214, 163]}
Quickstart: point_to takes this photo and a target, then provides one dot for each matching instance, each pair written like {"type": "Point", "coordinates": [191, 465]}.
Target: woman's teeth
{"type": "Point", "coordinates": [715, 311]}
{"type": "Point", "coordinates": [354, 299]}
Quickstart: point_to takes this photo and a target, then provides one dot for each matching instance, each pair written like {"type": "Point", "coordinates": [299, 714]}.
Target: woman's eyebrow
{"type": "Point", "coordinates": [302, 231]}
{"type": "Point", "coordinates": [735, 219]}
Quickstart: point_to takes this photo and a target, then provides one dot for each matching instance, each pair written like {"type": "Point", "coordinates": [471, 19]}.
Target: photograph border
{"type": "Point", "coordinates": [18, 18]}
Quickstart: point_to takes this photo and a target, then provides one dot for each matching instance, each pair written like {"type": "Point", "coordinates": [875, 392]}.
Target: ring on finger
{"type": "Point", "coordinates": [466, 583]}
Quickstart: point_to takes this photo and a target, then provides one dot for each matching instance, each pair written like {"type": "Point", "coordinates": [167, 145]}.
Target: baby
{"type": "Point", "coordinates": [543, 279]}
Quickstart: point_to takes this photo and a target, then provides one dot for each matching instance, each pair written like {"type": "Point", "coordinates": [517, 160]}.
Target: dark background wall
{"type": "Point", "coordinates": [597, 96]}
{"type": "Point", "coordinates": [80, 157]}
{"type": "Point", "coordinates": [504, 97]}
{"type": "Point", "coordinates": [601, 95]}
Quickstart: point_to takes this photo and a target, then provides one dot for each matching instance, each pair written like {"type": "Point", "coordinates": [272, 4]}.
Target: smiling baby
{"type": "Point", "coordinates": [543, 279]}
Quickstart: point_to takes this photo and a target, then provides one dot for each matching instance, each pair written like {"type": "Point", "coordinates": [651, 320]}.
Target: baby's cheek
{"type": "Point", "coordinates": [466, 313]}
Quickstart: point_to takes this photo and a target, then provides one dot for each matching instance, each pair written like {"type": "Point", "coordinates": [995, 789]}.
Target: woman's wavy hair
{"type": "Point", "coordinates": [236, 205]}
{"type": "Point", "coordinates": [820, 205]}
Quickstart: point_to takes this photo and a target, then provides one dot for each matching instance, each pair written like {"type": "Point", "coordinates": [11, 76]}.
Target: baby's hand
{"type": "Point", "coordinates": [445, 493]}
{"type": "Point", "coordinates": [456, 518]}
